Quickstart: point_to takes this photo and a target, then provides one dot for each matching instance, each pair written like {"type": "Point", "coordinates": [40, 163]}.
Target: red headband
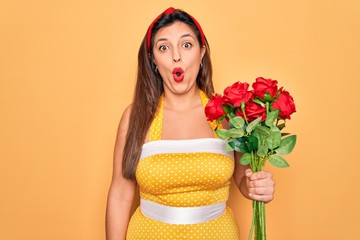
{"type": "Point", "coordinates": [167, 12]}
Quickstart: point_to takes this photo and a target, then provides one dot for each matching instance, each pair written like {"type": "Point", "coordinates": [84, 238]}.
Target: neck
{"type": "Point", "coordinates": [182, 101]}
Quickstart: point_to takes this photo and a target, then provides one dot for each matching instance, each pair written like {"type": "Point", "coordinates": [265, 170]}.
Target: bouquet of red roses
{"type": "Point", "coordinates": [256, 118]}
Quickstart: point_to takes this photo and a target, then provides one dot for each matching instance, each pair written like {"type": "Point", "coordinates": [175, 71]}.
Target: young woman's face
{"type": "Point", "coordinates": [177, 55]}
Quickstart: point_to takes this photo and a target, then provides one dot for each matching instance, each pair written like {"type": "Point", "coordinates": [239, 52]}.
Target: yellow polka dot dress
{"type": "Point", "coordinates": [182, 175]}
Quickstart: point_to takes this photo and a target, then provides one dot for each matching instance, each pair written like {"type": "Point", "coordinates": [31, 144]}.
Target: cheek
{"type": "Point", "coordinates": [161, 60]}
{"type": "Point", "coordinates": [197, 61]}
{"type": "Point", "coordinates": [195, 67]}
{"type": "Point", "coordinates": [193, 61]}
{"type": "Point", "coordinates": [163, 68]}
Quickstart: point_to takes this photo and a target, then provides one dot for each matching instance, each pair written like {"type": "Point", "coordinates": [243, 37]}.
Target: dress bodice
{"type": "Point", "coordinates": [184, 173]}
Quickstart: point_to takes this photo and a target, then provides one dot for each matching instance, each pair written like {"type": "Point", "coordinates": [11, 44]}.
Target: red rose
{"type": "Point", "coordinates": [237, 93]}
{"type": "Point", "coordinates": [262, 86]}
{"type": "Point", "coordinates": [285, 103]}
{"type": "Point", "coordinates": [213, 109]}
{"type": "Point", "coordinates": [253, 111]}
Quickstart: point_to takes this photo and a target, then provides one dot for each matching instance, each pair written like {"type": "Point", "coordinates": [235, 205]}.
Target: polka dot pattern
{"type": "Point", "coordinates": [185, 179]}
{"type": "Point", "coordinates": [156, 125]}
{"type": "Point", "coordinates": [222, 228]}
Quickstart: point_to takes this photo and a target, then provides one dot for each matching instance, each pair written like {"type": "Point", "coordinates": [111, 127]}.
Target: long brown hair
{"type": "Point", "coordinates": [149, 88]}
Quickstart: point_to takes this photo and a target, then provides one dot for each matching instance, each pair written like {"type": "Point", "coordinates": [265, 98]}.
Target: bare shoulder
{"type": "Point", "coordinates": [120, 141]}
{"type": "Point", "coordinates": [122, 130]}
{"type": "Point", "coordinates": [124, 121]}
{"type": "Point", "coordinates": [121, 188]}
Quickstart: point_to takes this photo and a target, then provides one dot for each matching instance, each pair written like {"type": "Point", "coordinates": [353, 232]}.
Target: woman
{"type": "Point", "coordinates": [165, 145]}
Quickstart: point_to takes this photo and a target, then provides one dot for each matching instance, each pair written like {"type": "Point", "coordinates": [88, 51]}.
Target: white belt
{"type": "Point", "coordinates": [181, 215]}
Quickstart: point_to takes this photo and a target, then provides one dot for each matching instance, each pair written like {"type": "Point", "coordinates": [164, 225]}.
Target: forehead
{"type": "Point", "coordinates": [175, 30]}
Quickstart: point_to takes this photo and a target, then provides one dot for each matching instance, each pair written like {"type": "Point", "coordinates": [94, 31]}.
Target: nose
{"type": "Point", "coordinates": [176, 55]}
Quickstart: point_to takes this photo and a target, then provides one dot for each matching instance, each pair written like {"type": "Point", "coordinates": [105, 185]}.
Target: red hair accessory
{"type": "Point", "coordinates": [167, 12]}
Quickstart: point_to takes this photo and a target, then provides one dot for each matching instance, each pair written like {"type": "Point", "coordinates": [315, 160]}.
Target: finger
{"type": "Point", "coordinates": [261, 183]}
{"type": "Point", "coordinates": [262, 191]}
{"type": "Point", "coordinates": [261, 175]}
{"type": "Point", "coordinates": [262, 198]}
{"type": "Point", "coordinates": [248, 172]}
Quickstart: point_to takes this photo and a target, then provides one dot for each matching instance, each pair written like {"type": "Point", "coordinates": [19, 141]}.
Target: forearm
{"type": "Point", "coordinates": [122, 190]}
{"type": "Point", "coordinates": [117, 218]}
{"type": "Point", "coordinates": [240, 177]}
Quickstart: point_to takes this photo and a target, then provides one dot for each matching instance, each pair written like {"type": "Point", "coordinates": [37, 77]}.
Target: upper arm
{"type": "Point", "coordinates": [122, 190]}
{"type": "Point", "coordinates": [239, 172]}
{"type": "Point", "coordinates": [122, 187]}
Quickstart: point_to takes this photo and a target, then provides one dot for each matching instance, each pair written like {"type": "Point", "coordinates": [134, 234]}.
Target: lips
{"type": "Point", "coordinates": [178, 74]}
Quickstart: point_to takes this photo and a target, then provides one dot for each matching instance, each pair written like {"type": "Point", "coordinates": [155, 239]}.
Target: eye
{"type": "Point", "coordinates": [163, 48]}
{"type": "Point", "coordinates": [187, 45]}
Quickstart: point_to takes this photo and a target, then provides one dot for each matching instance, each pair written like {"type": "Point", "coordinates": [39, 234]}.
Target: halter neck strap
{"type": "Point", "coordinates": [155, 130]}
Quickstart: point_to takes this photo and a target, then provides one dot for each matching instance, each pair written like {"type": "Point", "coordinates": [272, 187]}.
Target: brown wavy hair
{"type": "Point", "coordinates": [149, 88]}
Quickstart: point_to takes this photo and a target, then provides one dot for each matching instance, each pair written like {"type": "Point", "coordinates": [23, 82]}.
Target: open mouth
{"type": "Point", "coordinates": [178, 74]}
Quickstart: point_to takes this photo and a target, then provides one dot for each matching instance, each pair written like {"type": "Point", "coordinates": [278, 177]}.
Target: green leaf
{"type": "Point", "coordinates": [274, 128]}
{"type": "Point", "coordinates": [264, 131]}
{"type": "Point", "coordinates": [278, 161]}
{"type": "Point", "coordinates": [252, 125]}
{"type": "Point", "coordinates": [286, 145]}
{"type": "Point", "coordinates": [271, 117]}
{"type": "Point", "coordinates": [245, 159]}
{"type": "Point", "coordinates": [219, 120]}
{"type": "Point", "coordinates": [237, 122]}
{"type": "Point", "coordinates": [273, 141]}
{"type": "Point", "coordinates": [228, 147]}
{"type": "Point", "coordinates": [253, 142]}
{"type": "Point", "coordinates": [239, 145]}
{"type": "Point", "coordinates": [235, 132]}
{"type": "Point", "coordinates": [223, 134]}
{"type": "Point", "coordinates": [232, 114]}
{"type": "Point", "coordinates": [258, 101]}
{"type": "Point", "coordinates": [227, 108]}
{"type": "Point", "coordinates": [267, 97]}
{"type": "Point", "coordinates": [262, 151]}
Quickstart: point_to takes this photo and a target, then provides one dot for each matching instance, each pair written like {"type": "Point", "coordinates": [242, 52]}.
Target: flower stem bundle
{"type": "Point", "coordinates": [256, 118]}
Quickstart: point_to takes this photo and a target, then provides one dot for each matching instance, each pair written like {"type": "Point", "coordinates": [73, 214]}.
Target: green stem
{"type": "Point", "coordinates": [243, 111]}
{"type": "Point", "coordinates": [253, 221]}
{"type": "Point", "coordinates": [258, 217]}
{"type": "Point", "coordinates": [261, 230]}
{"type": "Point", "coordinates": [252, 162]}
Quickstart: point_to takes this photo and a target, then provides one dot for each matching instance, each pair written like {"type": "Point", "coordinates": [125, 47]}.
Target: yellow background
{"type": "Point", "coordinates": [67, 71]}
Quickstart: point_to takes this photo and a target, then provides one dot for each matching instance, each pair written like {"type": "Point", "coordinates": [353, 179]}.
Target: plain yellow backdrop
{"type": "Point", "coordinates": [67, 71]}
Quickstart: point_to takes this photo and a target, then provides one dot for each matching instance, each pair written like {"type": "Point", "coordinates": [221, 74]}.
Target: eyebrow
{"type": "Point", "coordinates": [183, 36]}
